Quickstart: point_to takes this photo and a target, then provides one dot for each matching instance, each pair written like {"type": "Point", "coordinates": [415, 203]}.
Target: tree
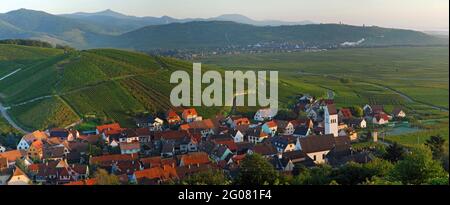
{"type": "Point", "coordinates": [210, 177]}
{"type": "Point", "coordinates": [379, 168]}
{"type": "Point", "coordinates": [354, 173]}
{"type": "Point", "coordinates": [104, 178]}
{"type": "Point", "coordinates": [350, 174]}
{"type": "Point", "coordinates": [320, 175]}
{"type": "Point", "coordinates": [94, 150]}
{"type": "Point", "coordinates": [394, 152]}
{"type": "Point", "coordinates": [357, 111]}
{"type": "Point", "coordinates": [255, 170]}
{"type": "Point", "coordinates": [418, 167]}
{"type": "Point", "coordinates": [436, 144]}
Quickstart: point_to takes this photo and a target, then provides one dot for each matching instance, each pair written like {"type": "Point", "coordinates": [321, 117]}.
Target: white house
{"type": "Point", "coordinates": [317, 147]}
{"type": "Point", "coordinates": [237, 135]}
{"type": "Point", "coordinates": [26, 140]}
{"type": "Point", "coordinates": [380, 119]}
{"type": "Point", "coordinates": [331, 120]}
{"type": "Point", "coordinates": [256, 135]}
{"type": "Point", "coordinates": [265, 114]}
{"type": "Point", "coordinates": [398, 113]}
{"type": "Point", "coordinates": [19, 178]}
{"type": "Point", "coordinates": [2, 149]}
{"type": "Point", "coordinates": [285, 127]}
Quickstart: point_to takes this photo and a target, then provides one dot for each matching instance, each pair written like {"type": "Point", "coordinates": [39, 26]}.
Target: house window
{"type": "Point", "coordinates": [314, 158]}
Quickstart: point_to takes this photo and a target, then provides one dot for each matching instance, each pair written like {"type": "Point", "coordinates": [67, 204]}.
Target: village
{"type": "Point", "coordinates": [181, 144]}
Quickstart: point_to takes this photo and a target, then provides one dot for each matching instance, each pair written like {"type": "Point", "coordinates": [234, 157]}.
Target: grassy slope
{"type": "Point", "coordinates": [106, 83]}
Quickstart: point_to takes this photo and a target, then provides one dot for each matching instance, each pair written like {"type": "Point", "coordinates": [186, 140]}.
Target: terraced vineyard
{"type": "Point", "coordinates": [58, 89]}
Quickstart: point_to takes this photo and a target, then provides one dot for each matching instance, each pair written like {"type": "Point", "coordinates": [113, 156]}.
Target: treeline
{"type": "Point", "coordinates": [393, 165]}
{"type": "Point", "coordinates": [34, 43]}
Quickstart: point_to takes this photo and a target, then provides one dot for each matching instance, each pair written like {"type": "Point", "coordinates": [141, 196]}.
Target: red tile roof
{"type": "Point", "coordinates": [203, 124]}
{"type": "Point", "coordinates": [129, 146]}
{"type": "Point", "coordinates": [189, 112]}
{"type": "Point", "coordinates": [271, 124]}
{"type": "Point", "coordinates": [12, 155]}
{"type": "Point", "coordinates": [346, 113]}
{"type": "Point", "coordinates": [195, 158]}
{"type": "Point", "coordinates": [103, 128]}
{"type": "Point", "coordinates": [115, 157]}
{"type": "Point", "coordinates": [171, 135]}
{"type": "Point", "coordinates": [227, 142]}
{"type": "Point", "coordinates": [241, 121]}
{"type": "Point", "coordinates": [383, 116]}
{"type": "Point", "coordinates": [164, 173]}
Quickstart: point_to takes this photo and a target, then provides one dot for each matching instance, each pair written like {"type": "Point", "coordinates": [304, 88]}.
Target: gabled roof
{"type": "Point", "coordinates": [190, 111]}
{"type": "Point", "coordinates": [172, 115]}
{"type": "Point", "coordinates": [114, 126]}
{"type": "Point", "coordinates": [12, 155]}
{"type": "Point", "coordinates": [346, 113]}
{"type": "Point", "coordinates": [397, 111]}
{"type": "Point", "coordinates": [380, 116]}
{"type": "Point", "coordinates": [284, 140]}
{"type": "Point", "coordinates": [342, 143]}
{"type": "Point", "coordinates": [150, 162]}
{"type": "Point", "coordinates": [59, 132]}
{"type": "Point", "coordinates": [113, 158]}
{"type": "Point", "coordinates": [229, 143]}
{"type": "Point", "coordinates": [195, 158]}
{"type": "Point", "coordinates": [171, 135]}
{"type": "Point", "coordinates": [317, 143]}
{"type": "Point", "coordinates": [301, 130]}
{"type": "Point", "coordinates": [241, 121]}
{"type": "Point", "coordinates": [36, 135]}
{"type": "Point", "coordinates": [189, 170]}
{"type": "Point", "coordinates": [19, 172]}
{"type": "Point", "coordinates": [158, 173]}
{"type": "Point", "coordinates": [53, 151]}
{"type": "Point", "coordinates": [203, 124]}
{"type": "Point", "coordinates": [264, 149]}
{"type": "Point", "coordinates": [129, 146]}
{"type": "Point", "coordinates": [37, 144]}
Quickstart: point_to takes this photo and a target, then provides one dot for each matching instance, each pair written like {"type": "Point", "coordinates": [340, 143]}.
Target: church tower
{"type": "Point", "coordinates": [331, 120]}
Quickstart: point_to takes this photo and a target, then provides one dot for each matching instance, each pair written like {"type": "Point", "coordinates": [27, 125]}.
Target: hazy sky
{"type": "Point", "coordinates": [414, 14]}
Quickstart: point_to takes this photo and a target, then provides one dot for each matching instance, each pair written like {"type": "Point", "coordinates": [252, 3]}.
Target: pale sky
{"type": "Point", "coordinates": [412, 14]}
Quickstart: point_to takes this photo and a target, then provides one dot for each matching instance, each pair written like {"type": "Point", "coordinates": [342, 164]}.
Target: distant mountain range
{"type": "Point", "coordinates": [128, 23]}
{"type": "Point", "coordinates": [111, 29]}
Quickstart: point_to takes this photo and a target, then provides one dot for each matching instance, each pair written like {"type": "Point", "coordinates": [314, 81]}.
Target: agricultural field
{"type": "Point", "coordinates": [415, 78]}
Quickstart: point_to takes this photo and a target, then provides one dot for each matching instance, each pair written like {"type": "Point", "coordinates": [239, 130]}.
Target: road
{"type": "Point", "coordinates": [4, 110]}
{"type": "Point", "coordinates": [5, 115]}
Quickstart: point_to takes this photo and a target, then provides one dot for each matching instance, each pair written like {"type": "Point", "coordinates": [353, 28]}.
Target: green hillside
{"type": "Point", "coordinates": [57, 89]}
{"type": "Point", "coordinates": [215, 34]}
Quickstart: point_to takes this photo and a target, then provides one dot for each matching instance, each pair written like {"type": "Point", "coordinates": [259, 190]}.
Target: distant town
{"type": "Point", "coordinates": [181, 145]}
